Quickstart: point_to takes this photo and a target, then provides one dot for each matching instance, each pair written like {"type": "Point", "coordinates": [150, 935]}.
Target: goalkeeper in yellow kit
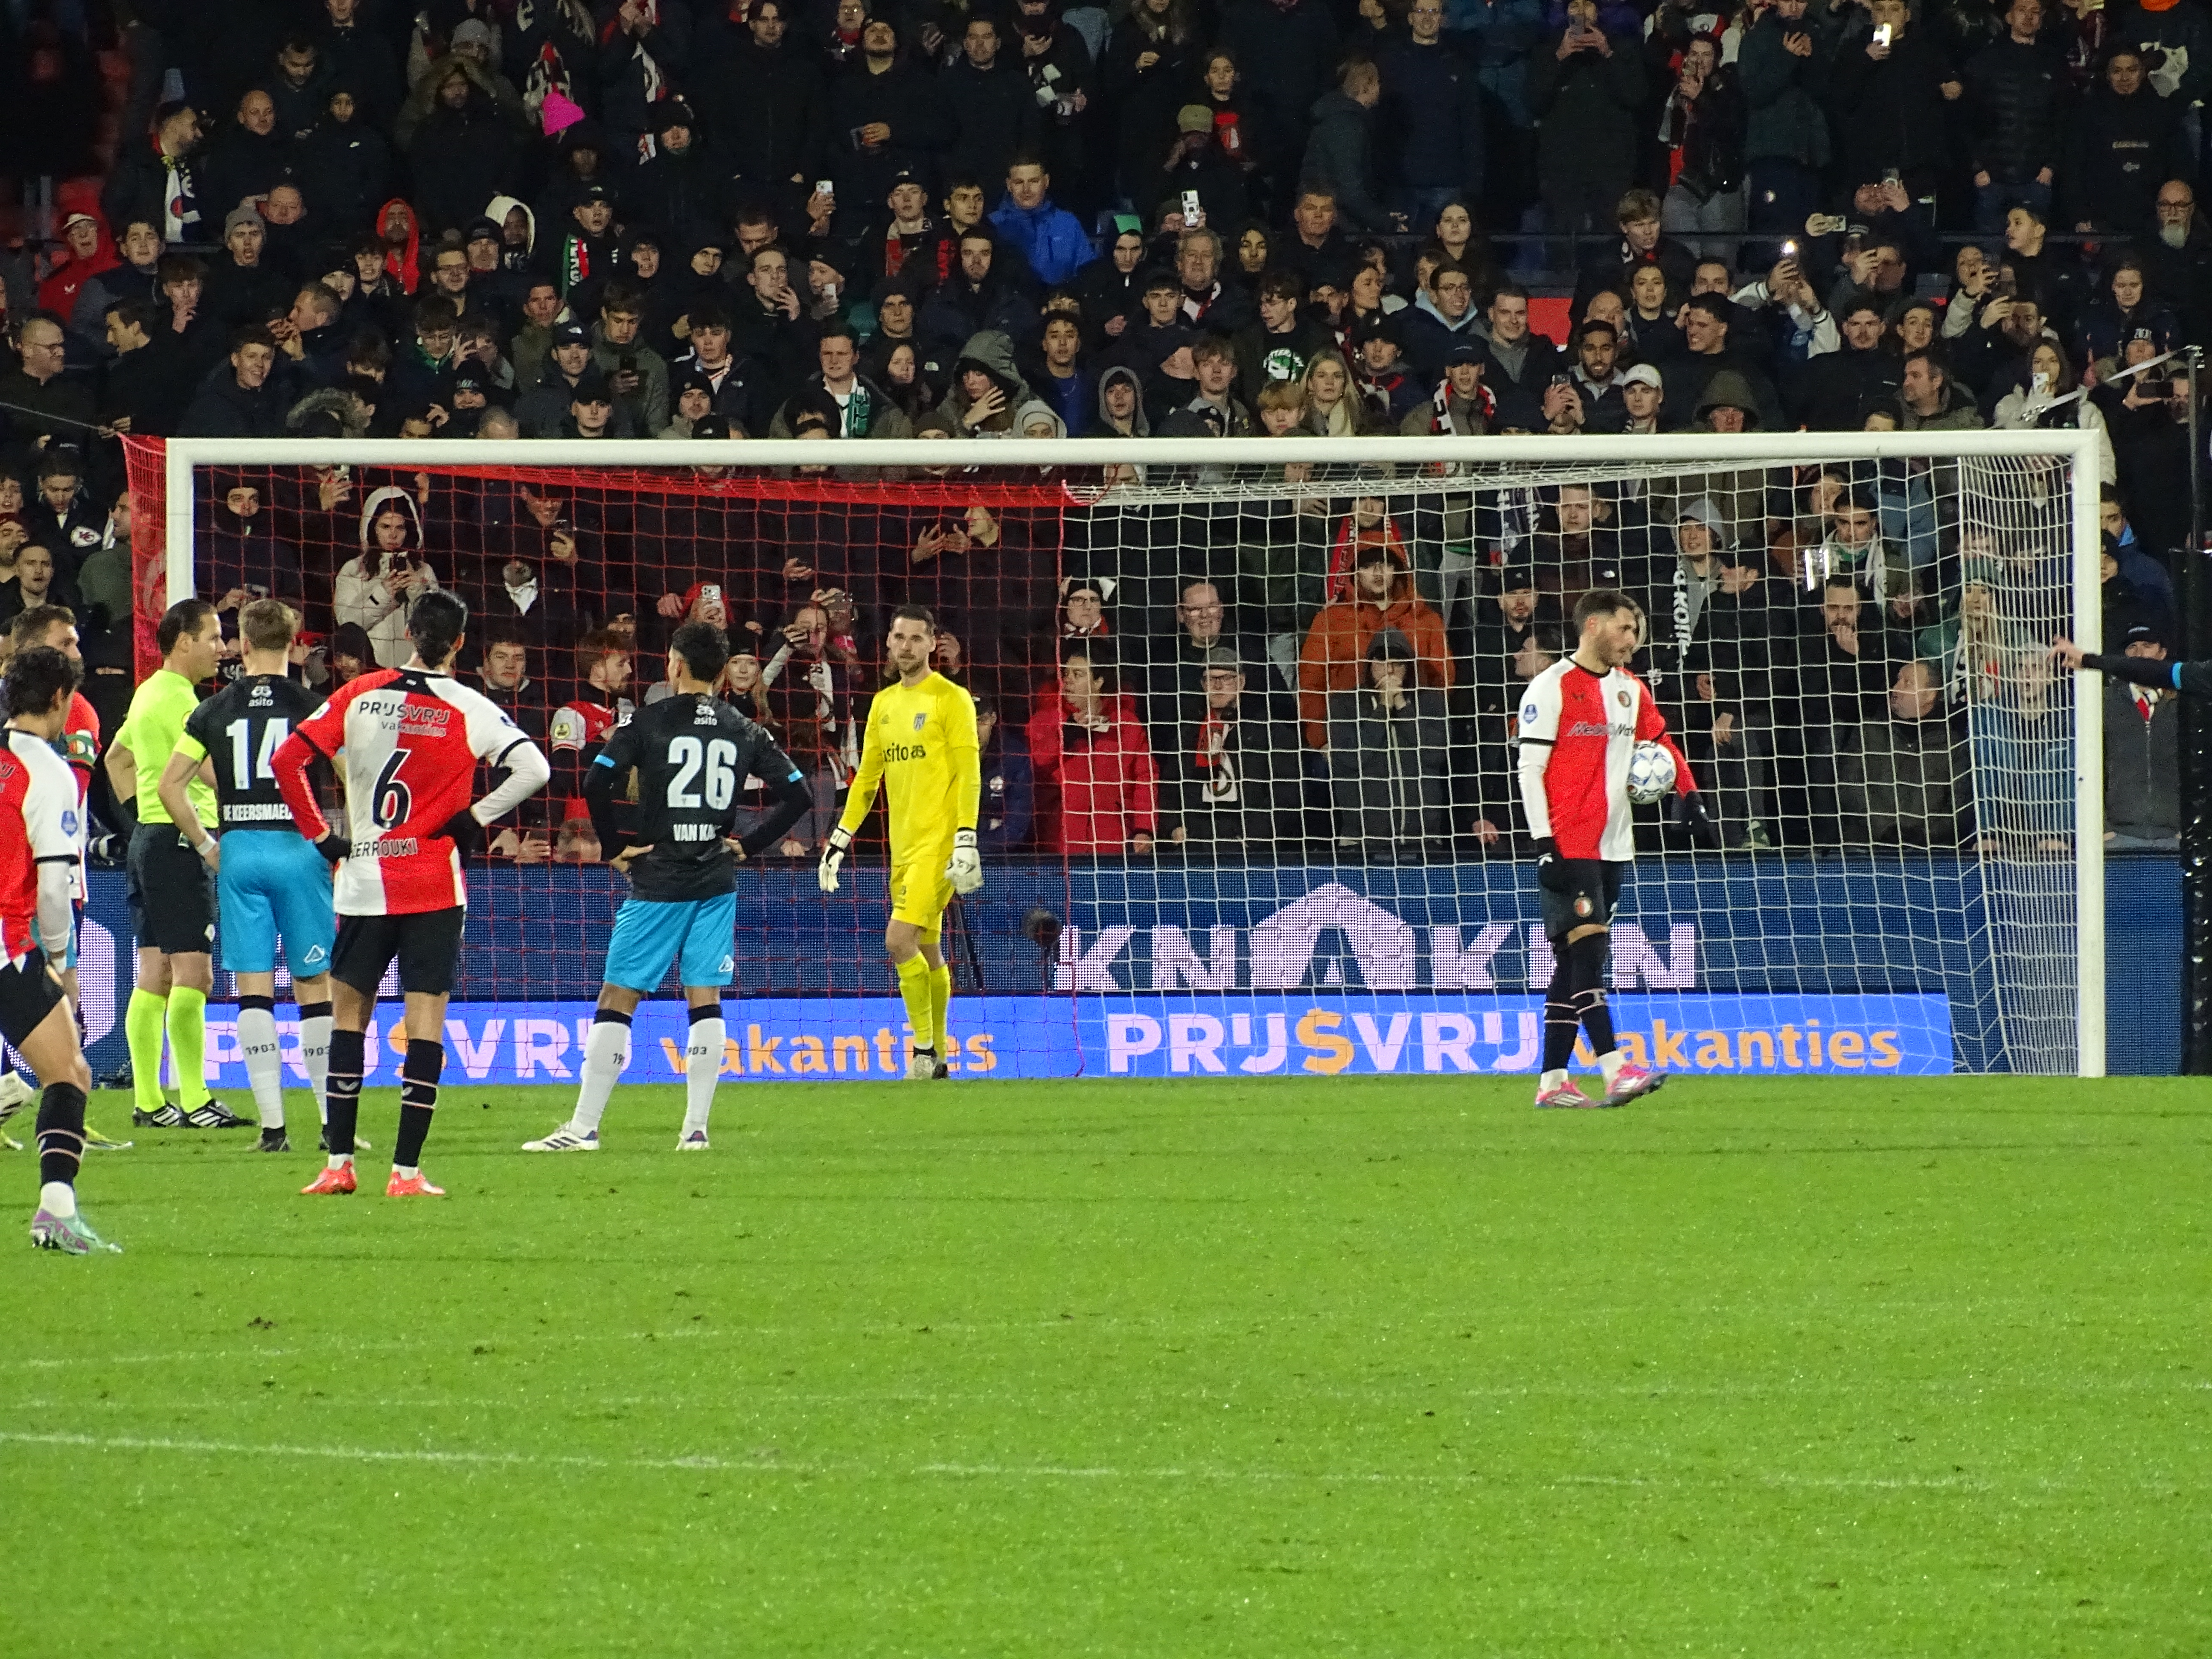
{"type": "Point", "coordinates": [921, 746]}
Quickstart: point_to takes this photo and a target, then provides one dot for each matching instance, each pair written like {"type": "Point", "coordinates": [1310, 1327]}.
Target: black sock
{"type": "Point", "coordinates": [418, 1099]}
{"type": "Point", "coordinates": [61, 1133]}
{"type": "Point", "coordinates": [1590, 1007]}
{"type": "Point", "coordinates": [1559, 1016]}
{"type": "Point", "coordinates": [342, 1089]}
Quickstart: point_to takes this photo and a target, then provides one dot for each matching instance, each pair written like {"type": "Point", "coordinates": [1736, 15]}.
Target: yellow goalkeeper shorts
{"type": "Point", "coordinates": [920, 890]}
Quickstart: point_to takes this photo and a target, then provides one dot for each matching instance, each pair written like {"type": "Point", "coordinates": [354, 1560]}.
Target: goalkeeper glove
{"type": "Point", "coordinates": [966, 869]}
{"type": "Point", "coordinates": [833, 857]}
{"type": "Point", "coordinates": [333, 846]}
{"type": "Point", "coordinates": [466, 833]}
{"type": "Point", "coordinates": [1552, 870]}
{"type": "Point", "coordinates": [1692, 814]}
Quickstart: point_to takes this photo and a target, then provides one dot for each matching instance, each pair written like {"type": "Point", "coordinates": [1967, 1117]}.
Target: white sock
{"type": "Point", "coordinates": [57, 1198]}
{"type": "Point", "coordinates": [1610, 1063]}
{"type": "Point", "coordinates": [264, 1064]}
{"type": "Point", "coordinates": [606, 1053]}
{"type": "Point", "coordinates": [315, 1056]}
{"type": "Point", "coordinates": [1550, 1081]}
{"type": "Point", "coordinates": [702, 1070]}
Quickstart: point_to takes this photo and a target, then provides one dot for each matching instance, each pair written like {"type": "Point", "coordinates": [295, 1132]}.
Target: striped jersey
{"type": "Point", "coordinates": [407, 742]}
{"type": "Point", "coordinates": [37, 792]}
{"type": "Point", "coordinates": [1577, 732]}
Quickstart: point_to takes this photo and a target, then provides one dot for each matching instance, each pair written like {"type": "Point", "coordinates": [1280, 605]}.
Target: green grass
{"type": "Point", "coordinates": [1332, 1368]}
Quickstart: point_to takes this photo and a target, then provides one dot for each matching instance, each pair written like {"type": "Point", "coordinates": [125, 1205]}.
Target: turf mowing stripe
{"type": "Point", "coordinates": [950, 1471]}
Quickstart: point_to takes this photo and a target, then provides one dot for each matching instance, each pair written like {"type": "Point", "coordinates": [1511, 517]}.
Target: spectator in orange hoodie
{"type": "Point", "coordinates": [1377, 593]}
{"type": "Point", "coordinates": [1096, 788]}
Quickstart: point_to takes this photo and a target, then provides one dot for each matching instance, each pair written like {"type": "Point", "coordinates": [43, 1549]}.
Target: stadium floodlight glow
{"type": "Point", "coordinates": [1329, 952]}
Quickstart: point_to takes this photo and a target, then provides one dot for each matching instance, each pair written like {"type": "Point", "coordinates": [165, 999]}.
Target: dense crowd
{"type": "Point", "coordinates": [1266, 217]}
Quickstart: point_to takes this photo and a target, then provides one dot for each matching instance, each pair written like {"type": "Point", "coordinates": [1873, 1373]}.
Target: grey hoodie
{"type": "Point", "coordinates": [1139, 426]}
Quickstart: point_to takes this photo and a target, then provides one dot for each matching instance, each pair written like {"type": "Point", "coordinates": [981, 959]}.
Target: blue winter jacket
{"type": "Point", "coordinates": [1051, 239]}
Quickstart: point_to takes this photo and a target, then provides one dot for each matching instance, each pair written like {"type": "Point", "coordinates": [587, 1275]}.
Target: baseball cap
{"type": "Point", "coordinates": [483, 230]}
{"type": "Point", "coordinates": [1220, 656]}
{"type": "Point", "coordinates": [1644, 374]}
{"type": "Point", "coordinates": [1466, 351]}
{"type": "Point", "coordinates": [1193, 117]}
{"type": "Point", "coordinates": [571, 333]}
{"type": "Point", "coordinates": [596, 191]}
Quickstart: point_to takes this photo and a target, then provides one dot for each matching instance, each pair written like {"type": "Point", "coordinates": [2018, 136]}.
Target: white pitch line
{"type": "Point", "coordinates": [951, 1471]}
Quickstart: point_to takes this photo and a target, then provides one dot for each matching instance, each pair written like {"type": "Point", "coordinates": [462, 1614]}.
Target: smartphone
{"type": "Point", "coordinates": [824, 187]}
{"type": "Point", "coordinates": [1789, 250]}
{"type": "Point", "coordinates": [1892, 177]}
{"type": "Point", "coordinates": [1881, 34]}
{"type": "Point", "coordinates": [1192, 212]}
{"type": "Point", "coordinates": [2042, 382]}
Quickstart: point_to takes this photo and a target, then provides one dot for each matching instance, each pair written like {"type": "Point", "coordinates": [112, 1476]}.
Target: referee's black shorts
{"type": "Point", "coordinates": [172, 892]}
{"type": "Point", "coordinates": [428, 944]}
{"type": "Point", "coordinates": [1592, 888]}
{"type": "Point", "coordinates": [30, 989]}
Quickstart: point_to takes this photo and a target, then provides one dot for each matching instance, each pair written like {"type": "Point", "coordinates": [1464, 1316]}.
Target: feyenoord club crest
{"type": "Point", "coordinates": [1583, 906]}
{"type": "Point", "coordinates": [1621, 697]}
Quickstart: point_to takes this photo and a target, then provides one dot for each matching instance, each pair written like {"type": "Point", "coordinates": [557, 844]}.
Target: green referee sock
{"type": "Point", "coordinates": [142, 1029]}
{"type": "Point", "coordinates": [920, 1006]}
{"type": "Point", "coordinates": [188, 1046]}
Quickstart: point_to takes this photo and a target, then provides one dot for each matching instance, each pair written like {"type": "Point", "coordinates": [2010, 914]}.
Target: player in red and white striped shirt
{"type": "Point", "coordinates": [1581, 719]}
{"type": "Point", "coordinates": [409, 740]}
{"type": "Point", "coordinates": [41, 825]}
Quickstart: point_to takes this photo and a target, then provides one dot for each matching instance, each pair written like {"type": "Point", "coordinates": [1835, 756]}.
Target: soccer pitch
{"type": "Point", "coordinates": [1338, 1367]}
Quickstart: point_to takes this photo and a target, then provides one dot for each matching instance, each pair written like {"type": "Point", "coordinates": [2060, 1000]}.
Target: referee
{"type": "Point", "coordinates": [172, 892]}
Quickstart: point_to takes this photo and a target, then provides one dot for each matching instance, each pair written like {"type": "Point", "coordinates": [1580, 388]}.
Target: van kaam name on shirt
{"type": "Point", "coordinates": [1283, 952]}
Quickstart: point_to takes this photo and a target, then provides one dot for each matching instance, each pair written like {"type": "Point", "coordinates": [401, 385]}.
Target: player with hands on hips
{"type": "Point", "coordinates": [1582, 720]}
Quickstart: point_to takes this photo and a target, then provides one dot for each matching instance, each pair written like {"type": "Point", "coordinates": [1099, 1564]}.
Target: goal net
{"type": "Point", "coordinates": [1251, 709]}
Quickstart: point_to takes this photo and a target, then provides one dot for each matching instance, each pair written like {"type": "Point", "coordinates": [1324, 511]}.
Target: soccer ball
{"type": "Point", "coordinates": [1650, 774]}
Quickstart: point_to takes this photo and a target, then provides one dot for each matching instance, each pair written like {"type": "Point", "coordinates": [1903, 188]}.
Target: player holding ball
{"type": "Point", "coordinates": [1592, 741]}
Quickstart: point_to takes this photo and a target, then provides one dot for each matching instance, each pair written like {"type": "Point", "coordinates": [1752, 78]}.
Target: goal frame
{"type": "Point", "coordinates": [2080, 447]}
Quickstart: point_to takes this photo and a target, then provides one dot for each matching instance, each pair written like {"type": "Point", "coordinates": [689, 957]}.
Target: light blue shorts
{"type": "Point", "coordinates": [698, 935]}
{"type": "Point", "coordinates": [272, 883]}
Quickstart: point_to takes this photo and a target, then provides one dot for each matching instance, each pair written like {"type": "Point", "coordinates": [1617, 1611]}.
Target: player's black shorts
{"type": "Point", "coordinates": [172, 892]}
{"type": "Point", "coordinates": [27, 994]}
{"type": "Point", "coordinates": [427, 943]}
{"type": "Point", "coordinates": [1593, 889]}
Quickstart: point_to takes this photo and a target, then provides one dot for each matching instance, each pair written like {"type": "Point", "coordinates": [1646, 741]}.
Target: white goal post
{"type": "Point", "coordinates": [2054, 472]}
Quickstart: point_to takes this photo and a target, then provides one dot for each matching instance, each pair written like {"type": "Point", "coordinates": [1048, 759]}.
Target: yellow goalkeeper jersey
{"type": "Point", "coordinates": [922, 747]}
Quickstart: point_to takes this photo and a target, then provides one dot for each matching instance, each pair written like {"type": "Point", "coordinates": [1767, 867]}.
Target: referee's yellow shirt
{"type": "Point", "coordinates": [159, 708]}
